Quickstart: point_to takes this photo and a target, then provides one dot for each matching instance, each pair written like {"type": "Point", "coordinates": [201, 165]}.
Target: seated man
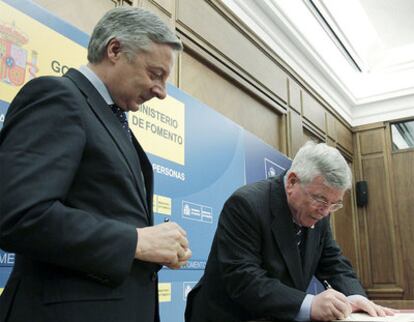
{"type": "Point", "coordinates": [272, 237]}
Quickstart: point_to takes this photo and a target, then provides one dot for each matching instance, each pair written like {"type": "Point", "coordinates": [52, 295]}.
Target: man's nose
{"type": "Point", "coordinates": [324, 211]}
{"type": "Point", "coordinates": [160, 91]}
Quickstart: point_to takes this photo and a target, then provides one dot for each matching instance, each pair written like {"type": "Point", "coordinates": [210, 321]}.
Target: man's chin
{"type": "Point", "coordinates": [134, 107]}
{"type": "Point", "coordinates": [311, 222]}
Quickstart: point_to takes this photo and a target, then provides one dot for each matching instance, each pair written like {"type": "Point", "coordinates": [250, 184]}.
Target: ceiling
{"type": "Point", "coordinates": [358, 54]}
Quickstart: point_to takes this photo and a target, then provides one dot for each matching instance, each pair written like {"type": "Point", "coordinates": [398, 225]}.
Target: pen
{"type": "Point", "coordinates": [327, 285]}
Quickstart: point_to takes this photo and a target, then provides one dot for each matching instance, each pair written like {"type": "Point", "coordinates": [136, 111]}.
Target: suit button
{"type": "Point", "coordinates": [153, 276]}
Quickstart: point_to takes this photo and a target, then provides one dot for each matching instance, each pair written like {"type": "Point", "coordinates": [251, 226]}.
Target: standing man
{"type": "Point", "coordinates": [76, 187]}
{"type": "Point", "coordinates": [272, 237]}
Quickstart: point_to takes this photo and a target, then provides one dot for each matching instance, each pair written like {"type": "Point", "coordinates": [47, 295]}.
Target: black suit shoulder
{"type": "Point", "coordinates": [56, 96]}
{"type": "Point", "coordinates": [255, 193]}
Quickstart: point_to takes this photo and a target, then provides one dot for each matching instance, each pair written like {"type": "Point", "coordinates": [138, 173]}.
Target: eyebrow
{"type": "Point", "coordinates": [326, 200]}
{"type": "Point", "coordinates": [158, 68]}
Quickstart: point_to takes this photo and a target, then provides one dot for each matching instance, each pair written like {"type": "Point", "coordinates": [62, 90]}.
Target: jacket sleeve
{"type": "Point", "coordinates": [41, 146]}
{"type": "Point", "coordinates": [335, 267]}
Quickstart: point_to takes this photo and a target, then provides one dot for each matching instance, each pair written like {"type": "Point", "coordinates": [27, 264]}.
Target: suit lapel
{"type": "Point", "coordinates": [148, 175]}
{"type": "Point", "coordinates": [311, 245]}
{"type": "Point", "coordinates": [283, 232]}
{"type": "Point", "coordinates": [113, 126]}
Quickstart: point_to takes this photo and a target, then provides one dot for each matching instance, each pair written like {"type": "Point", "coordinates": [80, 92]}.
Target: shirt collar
{"type": "Point", "coordinates": [97, 83]}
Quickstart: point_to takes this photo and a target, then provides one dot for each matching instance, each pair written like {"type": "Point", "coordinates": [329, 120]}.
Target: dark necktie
{"type": "Point", "coordinates": [120, 114]}
{"type": "Point", "coordinates": [300, 238]}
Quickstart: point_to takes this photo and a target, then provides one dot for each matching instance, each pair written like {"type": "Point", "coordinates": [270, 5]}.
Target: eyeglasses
{"type": "Point", "coordinates": [322, 203]}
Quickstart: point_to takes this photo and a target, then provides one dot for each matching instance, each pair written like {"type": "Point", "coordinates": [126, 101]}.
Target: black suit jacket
{"type": "Point", "coordinates": [71, 197]}
{"type": "Point", "coordinates": [254, 270]}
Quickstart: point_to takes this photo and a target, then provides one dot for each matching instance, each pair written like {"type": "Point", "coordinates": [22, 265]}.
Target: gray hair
{"type": "Point", "coordinates": [314, 160]}
{"type": "Point", "coordinates": [135, 28]}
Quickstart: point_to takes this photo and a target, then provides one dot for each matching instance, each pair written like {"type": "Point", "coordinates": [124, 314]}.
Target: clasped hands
{"type": "Point", "coordinates": [333, 305]}
{"type": "Point", "coordinates": [165, 244]}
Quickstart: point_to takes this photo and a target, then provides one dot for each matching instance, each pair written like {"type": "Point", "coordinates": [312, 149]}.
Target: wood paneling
{"type": "Point", "coordinates": [209, 26]}
{"type": "Point", "coordinates": [330, 142]}
{"type": "Point", "coordinates": [229, 100]}
{"type": "Point", "coordinates": [159, 11]}
{"type": "Point", "coordinates": [165, 5]}
{"type": "Point", "coordinates": [295, 96]}
{"type": "Point", "coordinates": [313, 111]}
{"type": "Point", "coordinates": [344, 136]}
{"type": "Point", "coordinates": [381, 245]}
{"type": "Point", "coordinates": [345, 223]}
{"type": "Point", "coordinates": [295, 132]}
{"type": "Point", "coordinates": [372, 141]}
{"type": "Point", "coordinates": [403, 171]}
{"type": "Point", "coordinates": [380, 256]}
{"type": "Point", "coordinates": [310, 136]}
{"type": "Point", "coordinates": [331, 127]}
{"type": "Point", "coordinates": [82, 14]}
{"type": "Point", "coordinates": [397, 304]}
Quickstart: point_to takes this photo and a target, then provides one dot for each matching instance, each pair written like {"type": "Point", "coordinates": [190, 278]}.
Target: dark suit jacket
{"type": "Point", "coordinates": [71, 197]}
{"type": "Point", "coordinates": [254, 270]}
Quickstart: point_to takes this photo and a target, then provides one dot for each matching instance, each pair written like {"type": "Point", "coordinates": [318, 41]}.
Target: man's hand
{"type": "Point", "coordinates": [164, 244]}
{"type": "Point", "coordinates": [362, 304]}
{"type": "Point", "coordinates": [330, 305]}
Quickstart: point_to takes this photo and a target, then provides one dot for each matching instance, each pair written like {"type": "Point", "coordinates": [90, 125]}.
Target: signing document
{"type": "Point", "coordinates": [398, 317]}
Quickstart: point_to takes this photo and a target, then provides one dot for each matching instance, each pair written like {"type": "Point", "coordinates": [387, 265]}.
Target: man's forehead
{"type": "Point", "coordinates": [160, 56]}
{"type": "Point", "coordinates": [319, 183]}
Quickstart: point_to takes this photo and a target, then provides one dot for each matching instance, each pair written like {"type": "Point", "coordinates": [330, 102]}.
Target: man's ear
{"type": "Point", "coordinates": [291, 180]}
{"type": "Point", "coordinates": [113, 49]}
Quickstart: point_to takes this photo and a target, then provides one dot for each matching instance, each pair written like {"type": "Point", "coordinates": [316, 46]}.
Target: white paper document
{"type": "Point", "coordinates": [398, 317]}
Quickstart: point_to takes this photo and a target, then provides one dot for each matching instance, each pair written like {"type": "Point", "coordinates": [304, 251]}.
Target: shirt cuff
{"type": "Point", "coordinates": [305, 309]}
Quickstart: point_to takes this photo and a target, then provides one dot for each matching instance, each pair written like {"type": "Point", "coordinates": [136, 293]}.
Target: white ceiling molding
{"type": "Point", "coordinates": [384, 90]}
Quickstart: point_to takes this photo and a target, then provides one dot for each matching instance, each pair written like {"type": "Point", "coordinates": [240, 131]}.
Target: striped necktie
{"type": "Point", "coordinates": [300, 238]}
{"type": "Point", "coordinates": [121, 116]}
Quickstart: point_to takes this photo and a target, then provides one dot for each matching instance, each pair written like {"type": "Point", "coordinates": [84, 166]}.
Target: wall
{"type": "Point", "coordinates": [386, 224]}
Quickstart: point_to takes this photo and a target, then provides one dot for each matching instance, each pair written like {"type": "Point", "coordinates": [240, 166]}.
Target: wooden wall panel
{"type": "Point", "coordinates": [159, 11]}
{"type": "Point", "coordinates": [82, 14]}
{"type": "Point", "coordinates": [310, 136]}
{"type": "Point", "coordinates": [229, 100]}
{"type": "Point", "coordinates": [313, 111]}
{"type": "Point", "coordinates": [381, 245]}
{"type": "Point", "coordinates": [403, 171]}
{"type": "Point", "coordinates": [380, 254]}
{"type": "Point", "coordinates": [346, 232]}
{"type": "Point", "coordinates": [212, 28]}
{"type": "Point", "coordinates": [166, 5]}
{"type": "Point", "coordinates": [330, 142]}
{"type": "Point", "coordinates": [344, 136]}
{"type": "Point", "coordinates": [331, 127]}
{"type": "Point", "coordinates": [372, 141]}
{"type": "Point", "coordinates": [295, 132]}
{"type": "Point", "coordinates": [295, 96]}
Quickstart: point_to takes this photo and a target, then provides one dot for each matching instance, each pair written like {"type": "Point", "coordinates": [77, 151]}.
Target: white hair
{"type": "Point", "coordinates": [314, 160]}
{"type": "Point", "coordinates": [134, 28]}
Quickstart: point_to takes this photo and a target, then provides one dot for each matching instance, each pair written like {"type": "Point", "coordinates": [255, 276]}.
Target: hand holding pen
{"type": "Point", "coordinates": [165, 244]}
{"type": "Point", "coordinates": [330, 305]}
{"type": "Point", "coordinates": [327, 285]}
{"type": "Point", "coordinates": [361, 303]}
